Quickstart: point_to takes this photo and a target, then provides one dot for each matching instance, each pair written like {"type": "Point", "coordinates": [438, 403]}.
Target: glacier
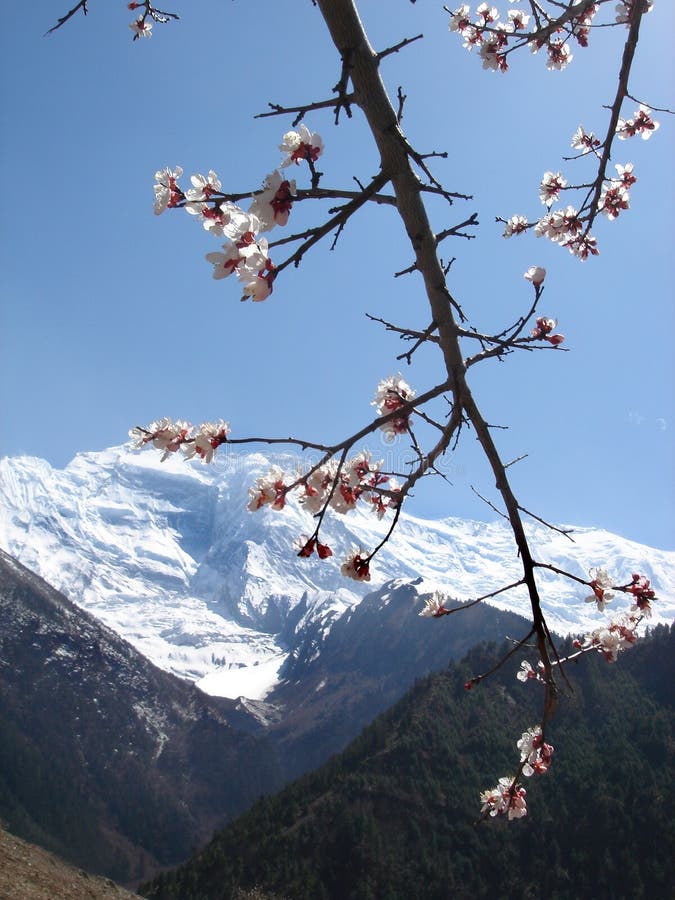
{"type": "Point", "coordinates": [167, 555]}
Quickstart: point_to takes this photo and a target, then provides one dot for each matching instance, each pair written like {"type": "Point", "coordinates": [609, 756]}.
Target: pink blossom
{"type": "Point", "coordinates": [459, 19]}
{"type": "Point", "coordinates": [487, 13]}
{"type": "Point", "coordinates": [219, 220]}
{"type": "Point", "coordinates": [492, 58]}
{"type": "Point", "coordinates": [300, 145]}
{"type": "Point", "coordinates": [167, 192]}
{"type": "Point", "coordinates": [641, 124]}
{"type": "Point", "coordinates": [583, 246]}
{"type": "Point", "coordinates": [515, 225]}
{"type": "Point", "coordinates": [601, 585]}
{"type": "Point", "coordinates": [203, 187]}
{"type": "Point", "coordinates": [317, 486]}
{"type": "Point", "coordinates": [551, 185]}
{"type": "Point", "coordinates": [586, 142]}
{"type": "Point", "coordinates": [259, 286]}
{"type": "Point", "coordinates": [642, 593]}
{"type": "Point", "coordinates": [268, 490]}
{"type": "Point", "coordinates": [433, 606]}
{"type": "Point", "coordinates": [526, 672]}
{"type": "Point", "coordinates": [208, 437]}
{"type": "Point", "coordinates": [273, 204]}
{"type": "Point", "coordinates": [163, 434]}
{"type": "Point", "coordinates": [508, 798]}
{"type": "Point", "coordinates": [141, 28]}
{"type": "Point", "coordinates": [543, 328]}
{"type": "Point", "coordinates": [535, 274]}
{"type": "Point", "coordinates": [624, 10]}
{"type": "Point", "coordinates": [559, 225]}
{"type": "Point", "coordinates": [518, 19]}
{"type": "Point", "coordinates": [625, 174]}
{"type": "Point", "coordinates": [559, 55]}
{"type": "Point", "coordinates": [392, 394]}
{"type": "Point", "coordinates": [611, 639]}
{"type": "Point", "coordinates": [356, 566]}
{"type": "Point", "coordinates": [614, 199]}
{"type": "Point", "coordinates": [535, 754]}
{"type": "Point", "coordinates": [225, 263]}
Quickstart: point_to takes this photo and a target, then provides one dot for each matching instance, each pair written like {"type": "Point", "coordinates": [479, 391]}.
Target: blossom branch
{"type": "Point", "coordinates": [82, 5]}
{"type": "Point", "coordinates": [278, 110]}
{"type": "Point", "coordinates": [340, 218]}
{"type": "Point", "coordinates": [567, 532]}
{"type": "Point", "coordinates": [401, 44]}
{"type": "Point", "coordinates": [636, 15]}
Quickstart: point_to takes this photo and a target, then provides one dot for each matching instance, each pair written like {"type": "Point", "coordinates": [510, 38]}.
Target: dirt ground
{"type": "Point", "coordinates": [29, 873]}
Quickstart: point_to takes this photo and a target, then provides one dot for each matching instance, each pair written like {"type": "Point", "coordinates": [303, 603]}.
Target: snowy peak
{"type": "Point", "coordinates": [168, 556]}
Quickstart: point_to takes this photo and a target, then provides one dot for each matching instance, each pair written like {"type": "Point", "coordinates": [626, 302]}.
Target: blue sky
{"type": "Point", "coordinates": [110, 317]}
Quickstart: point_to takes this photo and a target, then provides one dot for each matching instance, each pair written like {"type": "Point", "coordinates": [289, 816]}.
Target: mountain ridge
{"type": "Point", "coordinates": [168, 556]}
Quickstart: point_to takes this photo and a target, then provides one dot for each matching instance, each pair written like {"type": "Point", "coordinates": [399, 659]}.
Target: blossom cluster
{"type": "Point", "coordinates": [535, 754]}
{"type": "Point", "coordinates": [568, 226]}
{"type": "Point", "coordinates": [527, 673]}
{"type": "Point", "coordinates": [392, 394]}
{"type": "Point", "coordinates": [604, 592]}
{"type": "Point", "coordinates": [601, 585]}
{"type": "Point", "coordinates": [434, 606]}
{"type": "Point", "coordinates": [508, 798]}
{"type": "Point", "coordinates": [168, 437]}
{"type": "Point", "coordinates": [641, 123]}
{"type": "Point", "coordinates": [615, 196]}
{"type": "Point", "coordinates": [584, 141]}
{"type": "Point", "coordinates": [563, 226]}
{"type": "Point", "coordinates": [246, 252]}
{"type": "Point", "coordinates": [142, 26]}
{"type": "Point", "coordinates": [620, 633]}
{"type": "Point", "coordinates": [543, 328]}
{"type": "Point", "coordinates": [624, 10]}
{"type": "Point", "coordinates": [495, 36]}
{"type": "Point", "coordinates": [356, 566]}
{"type": "Point", "coordinates": [612, 638]}
{"type": "Point", "coordinates": [339, 487]}
{"type": "Point", "coordinates": [642, 594]}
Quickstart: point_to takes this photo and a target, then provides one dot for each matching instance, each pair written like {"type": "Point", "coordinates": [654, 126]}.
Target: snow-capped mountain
{"type": "Point", "coordinates": [168, 556]}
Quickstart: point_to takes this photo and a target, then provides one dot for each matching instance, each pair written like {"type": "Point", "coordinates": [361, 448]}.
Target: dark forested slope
{"type": "Point", "coordinates": [394, 816]}
{"type": "Point", "coordinates": [104, 759]}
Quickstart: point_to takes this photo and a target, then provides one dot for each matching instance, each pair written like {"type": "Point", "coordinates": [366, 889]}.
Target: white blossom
{"type": "Point", "coordinates": [203, 186]}
{"type": "Point", "coordinates": [299, 145]}
{"type": "Point", "coordinates": [356, 566]}
{"type": "Point", "coordinates": [141, 27]}
{"type": "Point", "coordinates": [550, 187]}
{"type": "Point", "coordinates": [164, 435]}
{"type": "Point", "coordinates": [535, 274]}
{"type": "Point", "coordinates": [206, 440]}
{"type": "Point", "coordinates": [434, 606]}
{"type": "Point", "coordinates": [268, 490]}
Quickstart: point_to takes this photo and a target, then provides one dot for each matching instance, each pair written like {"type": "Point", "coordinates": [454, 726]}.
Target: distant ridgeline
{"type": "Point", "coordinates": [394, 816]}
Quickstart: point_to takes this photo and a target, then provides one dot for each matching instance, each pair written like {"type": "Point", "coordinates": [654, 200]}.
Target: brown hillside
{"type": "Point", "coordinates": [30, 873]}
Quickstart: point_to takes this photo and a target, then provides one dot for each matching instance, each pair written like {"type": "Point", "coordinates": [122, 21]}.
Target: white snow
{"type": "Point", "coordinates": [253, 681]}
{"type": "Point", "coordinates": [167, 555]}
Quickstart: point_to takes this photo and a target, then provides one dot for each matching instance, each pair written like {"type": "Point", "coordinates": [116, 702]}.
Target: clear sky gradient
{"type": "Point", "coordinates": [110, 317]}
